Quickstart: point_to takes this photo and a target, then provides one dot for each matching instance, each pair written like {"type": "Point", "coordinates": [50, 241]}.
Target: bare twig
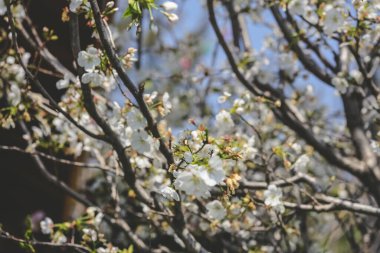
{"type": "Point", "coordinates": [59, 160]}
{"type": "Point", "coordinates": [53, 246]}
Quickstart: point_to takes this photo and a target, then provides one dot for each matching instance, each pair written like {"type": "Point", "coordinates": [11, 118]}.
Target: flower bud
{"type": "Point", "coordinates": [169, 6]}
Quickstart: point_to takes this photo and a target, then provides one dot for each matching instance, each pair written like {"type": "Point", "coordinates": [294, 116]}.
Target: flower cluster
{"type": "Point", "coordinates": [87, 227]}
{"type": "Point", "coordinates": [169, 7]}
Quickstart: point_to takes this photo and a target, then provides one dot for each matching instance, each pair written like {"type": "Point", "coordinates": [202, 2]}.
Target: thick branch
{"type": "Point", "coordinates": [90, 106]}
{"type": "Point", "coordinates": [136, 93]}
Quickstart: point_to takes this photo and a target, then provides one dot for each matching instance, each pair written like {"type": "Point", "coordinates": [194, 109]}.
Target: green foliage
{"type": "Point", "coordinates": [129, 250]}
{"type": "Point", "coordinates": [135, 10]}
{"type": "Point", "coordinates": [27, 247]}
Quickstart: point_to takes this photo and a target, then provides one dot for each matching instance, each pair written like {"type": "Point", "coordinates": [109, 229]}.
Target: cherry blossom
{"type": "Point", "coordinates": [141, 141]}
{"type": "Point", "coordinates": [47, 226]}
{"type": "Point", "coordinates": [135, 119]}
{"type": "Point", "coordinates": [273, 198]}
{"type": "Point", "coordinates": [192, 181]}
{"type": "Point", "coordinates": [169, 193]}
{"type": "Point", "coordinates": [333, 19]}
{"type": "Point", "coordinates": [74, 5]}
{"type": "Point", "coordinates": [89, 59]}
{"type": "Point", "coordinates": [169, 6]}
{"type": "Point", "coordinates": [301, 163]}
{"type": "Point", "coordinates": [216, 210]}
{"type": "Point", "coordinates": [3, 7]}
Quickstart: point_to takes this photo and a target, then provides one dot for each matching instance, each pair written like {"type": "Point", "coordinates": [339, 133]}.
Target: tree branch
{"type": "Point", "coordinates": [59, 160]}
{"type": "Point", "coordinates": [40, 86]}
{"type": "Point", "coordinates": [54, 246]}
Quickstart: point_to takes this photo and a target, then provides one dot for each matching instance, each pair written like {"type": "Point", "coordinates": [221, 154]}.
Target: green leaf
{"type": "Point", "coordinates": [130, 249]}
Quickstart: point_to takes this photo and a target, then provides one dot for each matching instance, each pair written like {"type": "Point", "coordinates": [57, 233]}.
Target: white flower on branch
{"type": "Point", "coordinates": [3, 7]}
{"type": "Point", "coordinates": [14, 94]}
{"type": "Point", "coordinates": [297, 7]}
{"type": "Point", "coordinates": [135, 119]}
{"type": "Point", "coordinates": [169, 6]}
{"type": "Point", "coordinates": [59, 238]}
{"type": "Point", "coordinates": [62, 84]}
{"type": "Point", "coordinates": [89, 234]}
{"type": "Point", "coordinates": [141, 141]}
{"type": "Point", "coordinates": [74, 5]}
{"type": "Point", "coordinates": [169, 193]}
{"type": "Point", "coordinates": [172, 17]}
{"type": "Point", "coordinates": [333, 19]}
{"type": "Point", "coordinates": [301, 163]}
{"type": "Point", "coordinates": [89, 59]}
{"type": "Point", "coordinates": [93, 77]}
{"type": "Point", "coordinates": [224, 120]}
{"type": "Point", "coordinates": [47, 226]}
{"type": "Point", "coordinates": [216, 210]}
{"type": "Point", "coordinates": [188, 157]}
{"type": "Point", "coordinates": [18, 12]}
{"type": "Point", "coordinates": [341, 84]}
{"type": "Point", "coordinates": [273, 198]}
{"type": "Point", "coordinates": [167, 105]}
{"type": "Point", "coordinates": [357, 76]}
{"type": "Point", "coordinates": [216, 173]}
{"type": "Point", "coordinates": [191, 181]}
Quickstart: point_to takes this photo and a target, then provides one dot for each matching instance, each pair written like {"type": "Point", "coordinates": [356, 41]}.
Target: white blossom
{"type": "Point", "coordinates": [98, 219]}
{"type": "Point", "coordinates": [333, 19]}
{"type": "Point", "coordinates": [224, 120]}
{"type": "Point", "coordinates": [357, 76]}
{"type": "Point", "coordinates": [90, 233]}
{"type": "Point", "coordinates": [14, 94]}
{"type": "Point", "coordinates": [18, 11]}
{"type": "Point", "coordinates": [166, 103]}
{"type": "Point", "coordinates": [223, 98]}
{"type": "Point", "coordinates": [3, 7]}
{"type": "Point", "coordinates": [340, 84]}
{"type": "Point", "coordinates": [169, 193]}
{"type": "Point", "coordinates": [47, 226]}
{"type": "Point", "coordinates": [191, 182]}
{"type": "Point", "coordinates": [169, 6]}
{"type": "Point", "coordinates": [135, 119]}
{"type": "Point", "coordinates": [8, 123]}
{"type": "Point", "coordinates": [239, 105]}
{"type": "Point", "coordinates": [215, 174]}
{"type": "Point", "coordinates": [311, 15]}
{"type": "Point", "coordinates": [172, 17]}
{"type": "Point", "coordinates": [141, 141]}
{"type": "Point", "coordinates": [74, 5]}
{"type": "Point", "coordinates": [188, 157]}
{"type": "Point", "coordinates": [62, 84]}
{"type": "Point", "coordinates": [207, 151]}
{"type": "Point", "coordinates": [89, 59]}
{"type": "Point", "coordinates": [216, 210]}
{"type": "Point", "coordinates": [297, 7]}
{"type": "Point", "coordinates": [273, 198]}
{"type": "Point", "coordinates": [301, 163]}
{"type": "Point", "coordinates": [93, 77]}
{"type": "Point", "coordinates": [59, 238]}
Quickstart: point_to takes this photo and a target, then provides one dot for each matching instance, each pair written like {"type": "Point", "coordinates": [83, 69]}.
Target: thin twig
{"type": "Point", "coordinates": [59, 160]}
